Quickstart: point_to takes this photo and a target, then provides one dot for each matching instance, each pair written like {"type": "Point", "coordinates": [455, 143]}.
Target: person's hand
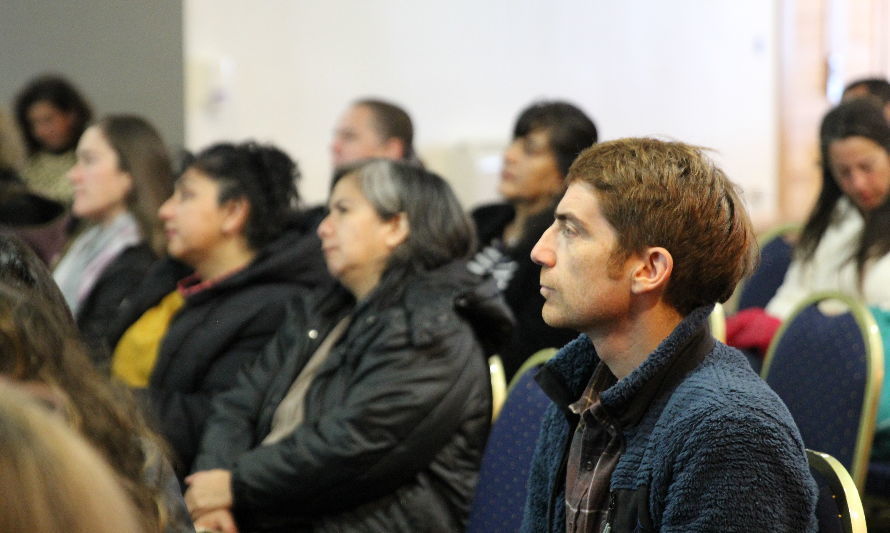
{"type": "Point", "coordinates": [220, 520]}
{"type": "Point", "coordinates": [208, 490]}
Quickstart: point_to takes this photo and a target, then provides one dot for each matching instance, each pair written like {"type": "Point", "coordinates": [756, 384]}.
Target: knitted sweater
{"type": "Point", "coordinates": [714, 449]}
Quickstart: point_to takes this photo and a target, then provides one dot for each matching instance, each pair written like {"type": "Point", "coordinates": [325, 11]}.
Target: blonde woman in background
{"type": "Point", "coordinates": [51, 479]}
{"type": "Point", "coordinates": [40, 350]}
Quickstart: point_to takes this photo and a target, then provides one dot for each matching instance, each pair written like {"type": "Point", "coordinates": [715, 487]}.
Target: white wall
{"type": "Point", "coordinates": [126, 57]}
{"type": "Point", "coordinates": [283, 70]}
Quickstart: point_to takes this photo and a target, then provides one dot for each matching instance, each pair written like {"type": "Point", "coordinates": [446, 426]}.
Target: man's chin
{"type": "Point", "coordinates": [551, 318]}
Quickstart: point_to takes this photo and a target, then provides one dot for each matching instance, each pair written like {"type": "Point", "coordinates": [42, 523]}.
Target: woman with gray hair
{"type": "Point", "coordinates": [370, 408]}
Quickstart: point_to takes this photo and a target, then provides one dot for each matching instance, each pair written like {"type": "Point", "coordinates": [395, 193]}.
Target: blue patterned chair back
{"type": "Point", "coordinates": [828, 369]}
{"type": "Point", "coordinates": [500, 493]}
{"type": "Point", "coordinates": [775, 257]}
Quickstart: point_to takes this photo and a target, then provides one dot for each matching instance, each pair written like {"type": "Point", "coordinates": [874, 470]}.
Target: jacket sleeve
{"type": "Point", "coordinates": [183, 415]}
{"type": "Point", "coordinates": [740, 471]}
{"type": "Point", "coordinates": [105, 299]}
{"type": "Point", "coordinates": [401, 404]}
{"type": "Point", "coordinates": [232, 425]}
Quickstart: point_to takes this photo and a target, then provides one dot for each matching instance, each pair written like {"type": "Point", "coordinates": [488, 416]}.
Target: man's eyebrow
{"type": "Point", "coordinates": [565, 217]}
{"type": "Point", "coordinates": [184, 179]}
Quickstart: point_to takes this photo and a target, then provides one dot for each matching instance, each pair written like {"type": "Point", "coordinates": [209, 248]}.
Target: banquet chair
{"type": "Point", "coordinates": [501, 490]}
{"type": "Point", "coordinates": [839, 507]}
{"type": "Point", "coordinates": [776, 250]}
{"type": "Point", "coordinates": [826, 363]}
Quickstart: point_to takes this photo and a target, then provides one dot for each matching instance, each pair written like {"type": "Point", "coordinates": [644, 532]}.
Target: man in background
{"type": "Point", "coordinates": [373, 128]}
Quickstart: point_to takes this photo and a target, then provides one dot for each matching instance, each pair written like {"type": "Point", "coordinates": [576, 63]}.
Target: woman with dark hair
{"type": "Point", "coordinates": [844, 243]}
{"type": "Point", "coordinates": [52, 116]}
{"type": "Point", "coordinates": [238, 252]}
{"type": "Point", "coordinates": [122, 175]}
{"type": "Point", "coordinates": [39, 221]}
{"type": "Point", "coordinates": [546, 139]}
{"type": "Point", "coordinates": [846, 239]}
{"type": "Point", "coordinates": [41, 351]}
{"type": "Point", "coordinates": [369, 409]}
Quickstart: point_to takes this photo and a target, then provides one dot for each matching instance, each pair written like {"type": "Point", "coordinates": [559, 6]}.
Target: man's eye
{"type": "Point", "coordinates": [568, 231]}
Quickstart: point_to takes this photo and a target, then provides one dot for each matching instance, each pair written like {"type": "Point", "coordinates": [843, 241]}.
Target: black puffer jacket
{"type": "Point", "coordinates": [109, 295]}
{"type": "Point", "coordinates": [217, 331]}
{"type": "Point", "coordinates": [395, 420]}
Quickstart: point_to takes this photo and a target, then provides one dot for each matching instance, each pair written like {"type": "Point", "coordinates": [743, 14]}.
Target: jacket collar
{"type": "Point", "coordinates": [565, 376]}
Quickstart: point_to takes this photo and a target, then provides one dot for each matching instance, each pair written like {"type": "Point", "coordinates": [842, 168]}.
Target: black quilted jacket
{"type": "Point", "coordinates": [396, 418]}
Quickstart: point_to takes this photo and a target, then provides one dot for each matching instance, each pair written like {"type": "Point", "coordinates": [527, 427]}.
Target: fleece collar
{"type": "Point", "coordinates": [565, 377]}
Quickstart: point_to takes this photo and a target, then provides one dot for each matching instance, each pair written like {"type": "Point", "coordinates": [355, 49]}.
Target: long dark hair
{"type": "Point", "coordinates": [856, 118]}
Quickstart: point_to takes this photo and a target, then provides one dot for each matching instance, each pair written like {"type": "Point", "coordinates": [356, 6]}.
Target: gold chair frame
{"type": "Point", "coordinates": [498, 385]}
{"type": "Point", "coordinates": [851, 511]}
{"type": "Point", "coordinates": [534, 360]}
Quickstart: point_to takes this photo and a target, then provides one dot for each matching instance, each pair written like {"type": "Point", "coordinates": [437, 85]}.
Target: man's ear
{"type": "Point", "coordinates": [398, 230]}
{"type": "Point", "coordinates": [394, 148]}
{"type": "Point", "coordinates": [236, 210]}
{"type": "Point", "coordinates": [653, 270]}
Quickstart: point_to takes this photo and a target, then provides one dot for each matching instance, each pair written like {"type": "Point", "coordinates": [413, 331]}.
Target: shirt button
{"type": "Point", "coordinates": [313, 333]}
{"type": "Point", "coordinates": [588, 465]}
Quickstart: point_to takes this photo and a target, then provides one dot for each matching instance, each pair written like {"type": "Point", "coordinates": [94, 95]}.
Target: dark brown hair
{"type": "Point", "coordinates": [62, 94]}
{"type": "Point", "coordinates": [569, 130]}
{"type": "Point", "coordinates": [261, 174]}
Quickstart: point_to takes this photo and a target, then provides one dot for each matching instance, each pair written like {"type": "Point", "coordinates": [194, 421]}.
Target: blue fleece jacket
{"type": "Point", "coordinates": [713, 449]}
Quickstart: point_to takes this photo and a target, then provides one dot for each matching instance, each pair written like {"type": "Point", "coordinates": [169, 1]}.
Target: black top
{"type": "Point", "coordinates": [519, 279]}
{"type": "Point", "coordinates": [108, 297]}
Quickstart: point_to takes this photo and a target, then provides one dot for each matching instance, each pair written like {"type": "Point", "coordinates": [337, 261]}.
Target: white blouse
{"type": "Point", "coordinates": [831, 268]}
